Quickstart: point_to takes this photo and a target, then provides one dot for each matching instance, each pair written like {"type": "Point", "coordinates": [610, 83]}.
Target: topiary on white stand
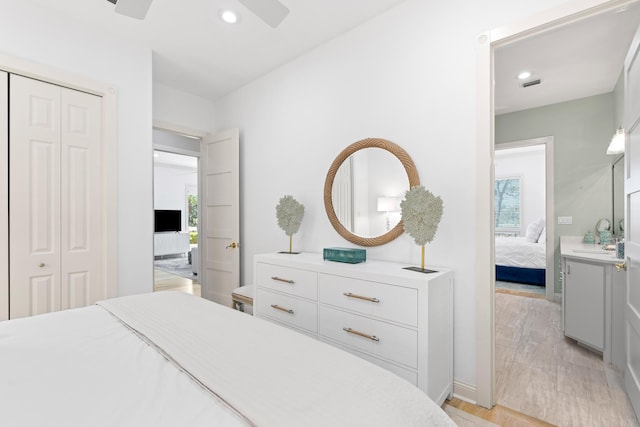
{"type": "Point", "coordinates": [289, 213]}
{"type": "Point", "coordinates": [421, 214]}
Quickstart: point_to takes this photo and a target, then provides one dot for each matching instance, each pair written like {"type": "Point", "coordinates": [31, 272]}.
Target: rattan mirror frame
{"type": "Point", "coordinates": [412, 175]}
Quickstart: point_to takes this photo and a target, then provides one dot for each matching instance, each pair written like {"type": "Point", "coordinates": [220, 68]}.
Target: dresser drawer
{"type": "Point", "coordinates": [388, 302]}
{"type": "Point", "coordinates": [302, 283]}
{"type": "Point", "coordinates": [407, 374]}
{"type": "Point", "coordinates": [384, 340]}
{"type": "Point", "coordinates": [286, 309]}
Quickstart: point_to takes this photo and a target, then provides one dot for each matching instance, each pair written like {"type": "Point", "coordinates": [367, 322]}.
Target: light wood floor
{"type": "Point", "coordinates": [541, 373]}
{"type": "Point", "coordinates": [163, 281]}
{"type": "Point", "coordinates": [498, 415]}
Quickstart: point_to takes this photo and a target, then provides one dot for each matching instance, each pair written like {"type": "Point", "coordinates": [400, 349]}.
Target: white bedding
{"type": "Point", "coordinates": [85, 367]}
{"type": "Point", "coordinates": [517, 252]}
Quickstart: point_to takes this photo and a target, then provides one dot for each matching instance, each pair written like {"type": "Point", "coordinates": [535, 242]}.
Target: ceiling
{"type": "Point", "coordinates": [196, 52]}
{"type": "Point", "coordinates": [582, 59]}
{"type": "Point", "coordinates": [163, 158]}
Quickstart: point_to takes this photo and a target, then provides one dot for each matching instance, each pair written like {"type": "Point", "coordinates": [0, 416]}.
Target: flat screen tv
{"type": "Point", "coordinates": [168, 220]}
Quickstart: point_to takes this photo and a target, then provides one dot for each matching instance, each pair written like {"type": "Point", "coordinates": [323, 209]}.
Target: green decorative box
{"type": "Point", "coordinates": [350, 255]}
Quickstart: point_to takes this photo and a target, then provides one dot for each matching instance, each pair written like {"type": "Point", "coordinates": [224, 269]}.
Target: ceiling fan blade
{"type": "Point", "coordinates": [133, 8]}
{"type": "Point", "coordinates": [270, 11]}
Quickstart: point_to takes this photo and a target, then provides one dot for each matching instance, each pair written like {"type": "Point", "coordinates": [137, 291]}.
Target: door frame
{"type": "Point", "coordinates": [486, 43]}
{"type": "Point", "coordinates": [550, 271]}
{"type": "Point", "coordinates": [109, 155]}
{"type": "Point", "coordinates": [4, 197]}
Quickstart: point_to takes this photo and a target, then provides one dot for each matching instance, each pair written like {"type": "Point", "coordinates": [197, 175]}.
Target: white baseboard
{"type": "Point", "coordinates": [464, 391]}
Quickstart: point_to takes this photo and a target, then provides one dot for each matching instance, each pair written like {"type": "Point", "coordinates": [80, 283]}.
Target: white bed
{"type": "Point", "coordinates": [519, 260]}
{"type": "Point", "coordinates": [172, 359]}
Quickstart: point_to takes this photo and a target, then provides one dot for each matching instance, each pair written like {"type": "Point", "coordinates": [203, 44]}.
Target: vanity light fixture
{"type": "Point", "coordinates": [616, 146]}
{"type": "Point", "coordinates": [229, 16]}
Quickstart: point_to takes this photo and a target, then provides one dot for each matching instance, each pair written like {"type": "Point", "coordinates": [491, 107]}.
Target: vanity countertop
{"type": "Point", "coordinates": [573, 247]}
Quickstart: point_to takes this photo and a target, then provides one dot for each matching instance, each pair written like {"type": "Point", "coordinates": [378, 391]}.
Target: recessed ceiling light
{"type": "Point", "coordinates": [229, 16]}
{"type": "Point", "coordinates": [524, 75]}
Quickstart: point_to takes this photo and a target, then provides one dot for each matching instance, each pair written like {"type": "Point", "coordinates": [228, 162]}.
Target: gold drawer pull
{"type": "Point", "coordinates": [277, 307]}
{"type": "Point", "coordinates": [350, 295]}
{"type": "Point", "coordinates": [362, 334]}
{"type": "Point", "coordinates": [291, 282]}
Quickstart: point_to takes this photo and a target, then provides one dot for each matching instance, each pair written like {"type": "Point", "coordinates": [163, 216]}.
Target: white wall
{"type": "Point", "coordinates": [409, 76]}
{"type": "Point", "coordinates": [41, 36]}
{"type": "Point", "coordinates": [174, 107]}
{"type": "Point", "coordinates": [528, 164]}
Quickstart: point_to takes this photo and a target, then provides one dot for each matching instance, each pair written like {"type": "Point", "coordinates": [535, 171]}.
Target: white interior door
{"type": "Point", "coordinates": [34, 197]}
{"type": "Point", "coordinates": [220, 257]}
{"type": "Point", "coordinates": [55, 198]}
{"type": "Point", "coordinates": [632, 222]}
{"type": "Point", "coordinates": [81, 210]}
{"type": "Point", "coordinates": [4, 196]}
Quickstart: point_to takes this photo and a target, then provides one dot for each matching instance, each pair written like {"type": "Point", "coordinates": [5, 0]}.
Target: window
{"type": "Point", "coordinates": [507, 196]}
{"type": "Point", "coordinates": [193, 210]}
{"type": "Point", "coordinates": [192, 213]}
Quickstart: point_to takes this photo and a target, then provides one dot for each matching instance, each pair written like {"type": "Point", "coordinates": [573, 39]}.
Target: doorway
{"type": "Point", "coordinates": [176, 212]}
{"type": "Point", "coordinates": [523, 206]}
{"type": "Point", "coordinates": [560, 17]}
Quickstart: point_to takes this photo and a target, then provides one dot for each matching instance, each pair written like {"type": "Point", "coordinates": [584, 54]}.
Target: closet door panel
{"type": "Point", "coordinates": [34, 197]}
{"type": "Point", "coordinates": [81, 195]}
{"type": "Point", "coordinates": [4, 196]}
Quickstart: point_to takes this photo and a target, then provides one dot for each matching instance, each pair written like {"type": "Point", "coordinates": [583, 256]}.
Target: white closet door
{"type": "Point", "coordinates": [34, 197]}
{"type": "Point", "coordinates": [81, 200]}
{"type": "Point", "coordinates": [55, 200]}
{"type": "Point", "coordinates": [4, 196]}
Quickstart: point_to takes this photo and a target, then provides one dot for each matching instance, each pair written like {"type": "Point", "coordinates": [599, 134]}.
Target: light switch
{"type": "Point", "coordinates": [565, 220]}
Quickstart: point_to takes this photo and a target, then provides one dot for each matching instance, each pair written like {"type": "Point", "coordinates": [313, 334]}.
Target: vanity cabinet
{"type": "Point", "coordinates": [584, 302]}
{"type": "Point", "coordinates": [398, 319]}
{"type": "Point", "coordinates": [593, 300]}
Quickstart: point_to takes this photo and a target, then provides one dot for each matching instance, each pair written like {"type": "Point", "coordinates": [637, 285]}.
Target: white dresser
{"type": "Point", "coordinates": [398, 319]}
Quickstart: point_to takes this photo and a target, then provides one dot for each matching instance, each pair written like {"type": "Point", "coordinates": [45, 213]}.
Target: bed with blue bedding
{"type": "Point", "coordinates": [519, 260]}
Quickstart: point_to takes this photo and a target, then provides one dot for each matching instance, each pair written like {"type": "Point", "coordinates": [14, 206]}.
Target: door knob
{"type": "Point", "coordinates": [233, 245]}
{"type": "Point", "coordinates": [621, 266]}
{"type": "Point", "coordinates": [41, 265]}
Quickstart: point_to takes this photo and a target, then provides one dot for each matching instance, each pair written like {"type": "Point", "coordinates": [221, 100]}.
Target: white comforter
{"type": "Point", "coordinates": [517, 252]}
{"type": "Point", "coordinates": [86, 367]}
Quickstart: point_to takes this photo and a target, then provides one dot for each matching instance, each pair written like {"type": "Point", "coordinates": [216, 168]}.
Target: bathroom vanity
{"type": "Point", "coordinates": [593, 298]}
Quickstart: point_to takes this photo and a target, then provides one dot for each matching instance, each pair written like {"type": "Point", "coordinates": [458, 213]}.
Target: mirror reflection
{"type": "Point", "coordinates": [367, 191]}
{"type": "Point", "coordinates": [618, 197]}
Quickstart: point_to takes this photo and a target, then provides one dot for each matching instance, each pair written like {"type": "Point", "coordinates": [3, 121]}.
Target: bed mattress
{"type": "Point", "coordinates": [517, 252]}
{"type": "Point", "coordinates": [171, 359]}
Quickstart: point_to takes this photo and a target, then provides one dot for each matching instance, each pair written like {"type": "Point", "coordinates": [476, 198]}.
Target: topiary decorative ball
{"type": "Point", "coordinates": [289, 213]}
{"type": "Point", "coordinates": [421, 214]}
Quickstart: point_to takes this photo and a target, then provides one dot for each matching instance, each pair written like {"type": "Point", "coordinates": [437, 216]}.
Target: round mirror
{"type": "Point", "coordinates": [603, 225]}
{"type": "Point", "coordinates": [363, 190]}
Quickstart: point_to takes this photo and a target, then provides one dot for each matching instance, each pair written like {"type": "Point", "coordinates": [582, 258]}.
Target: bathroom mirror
{"type": "Point", "coordinates": [363, 190]}
{"type": "Point", "coordinates": [617, 171]}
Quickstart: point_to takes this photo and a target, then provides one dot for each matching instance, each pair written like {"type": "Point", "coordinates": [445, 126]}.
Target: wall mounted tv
{"type": "Point", "coordinates": [167, 220]}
